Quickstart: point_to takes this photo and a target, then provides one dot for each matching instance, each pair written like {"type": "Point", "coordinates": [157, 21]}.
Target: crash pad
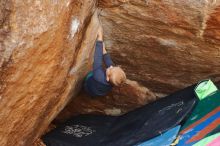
{"type": "Point", "coordinates": [129, 129]}
{"type": "Point", "coordinates": [215, 142]}
{"type": "Point", "coordinates": [204, 120]}
{"type": "Point", "coordinates": [165, 139]}
{"type": "Point", "coordinates": [209, 140]}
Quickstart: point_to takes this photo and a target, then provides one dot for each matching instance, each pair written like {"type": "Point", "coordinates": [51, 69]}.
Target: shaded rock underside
{"type": "Point", "coordinates": [46, 49]}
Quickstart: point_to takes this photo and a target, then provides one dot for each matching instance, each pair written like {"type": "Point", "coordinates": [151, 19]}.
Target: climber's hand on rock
{"type": "Point", "coordinates": [100, 33]}
{"type": "Point", "coordinates": [104, 49]}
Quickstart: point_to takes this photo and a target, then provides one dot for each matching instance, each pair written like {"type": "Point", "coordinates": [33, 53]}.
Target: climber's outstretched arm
{"type": "Point", "coordinates": [100, 52]}
{"type": "Point", "coordinates": [107, 59]}
{"type": "Point", "coordinates": [98, 56]}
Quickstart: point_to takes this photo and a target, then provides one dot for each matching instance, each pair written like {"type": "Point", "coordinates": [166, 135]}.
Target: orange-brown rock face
{"type": "Point", "coordinates": [46, 49]}
{"type": "Point", "coordinates": [122, 99]}
{"type": "Point", "coordinates": [164, 45]}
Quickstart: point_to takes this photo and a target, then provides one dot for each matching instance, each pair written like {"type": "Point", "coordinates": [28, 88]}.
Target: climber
{"type": "Point", "coordinates": [101, 80]}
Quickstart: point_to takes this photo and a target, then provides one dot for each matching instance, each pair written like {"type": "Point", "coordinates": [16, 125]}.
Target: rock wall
{"type": "Point", "coordinates": [121, 100]}
{"type": "Point", "coordinates": [164, 44]}
{"type": "Point", "coordinates": [46, 49]}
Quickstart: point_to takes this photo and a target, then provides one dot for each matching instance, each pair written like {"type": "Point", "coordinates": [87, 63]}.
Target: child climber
{"type": "Point", "coordinates": [101, 80]}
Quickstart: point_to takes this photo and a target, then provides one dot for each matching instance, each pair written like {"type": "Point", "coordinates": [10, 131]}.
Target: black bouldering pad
{"type": "Point", "coordinates": [129, 129]}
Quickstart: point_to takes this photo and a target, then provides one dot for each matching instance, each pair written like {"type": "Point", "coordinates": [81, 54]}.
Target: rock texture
{"type": "Point", "coordinates": [46, 49]}
{"type": "Point", "coordinates": [123, 99]}
{"type": "Point", "coordinates": [164, 45]}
